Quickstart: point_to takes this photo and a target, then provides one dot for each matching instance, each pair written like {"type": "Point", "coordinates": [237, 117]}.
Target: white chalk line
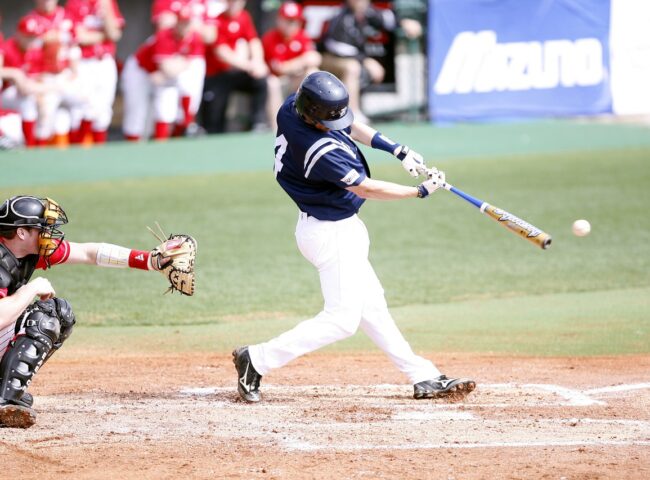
{"type": "Point", "coordinates": [309, 447]}
{"type": "Point", "coordinates": [618, 388]}
{"type": "Point", "coordinates": [574, 397]}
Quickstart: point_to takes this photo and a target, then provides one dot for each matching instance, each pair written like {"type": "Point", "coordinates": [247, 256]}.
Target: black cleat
{"type": "Point", "coordinates": [248, 380]}
{"type": "Point", "coordinates": [16, 416]}
{"type": "Point", "coordinates": [443, 387]}
{"type": "Point", "coordinates": [25, 401]}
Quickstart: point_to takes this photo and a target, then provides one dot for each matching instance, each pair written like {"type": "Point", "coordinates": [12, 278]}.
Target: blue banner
{"type": "Point", "coordinates": [518, 58]}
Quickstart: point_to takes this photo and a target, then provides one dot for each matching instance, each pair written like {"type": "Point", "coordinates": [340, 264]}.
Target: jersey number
{"type": "Point", "coordinates": [281, 145]}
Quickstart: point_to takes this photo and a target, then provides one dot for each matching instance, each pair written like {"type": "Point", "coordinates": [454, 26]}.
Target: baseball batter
{"type": "Point", "coordinates": [320, 167]}
{"type": "Point", "coordinates": [30, 333]}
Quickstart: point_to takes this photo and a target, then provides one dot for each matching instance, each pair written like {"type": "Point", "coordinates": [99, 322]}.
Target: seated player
{"type": "Point", "coordinates": [190, 82]}
{"type": "Point", "coordinates": [290, 55]}
{"type": "Point", "coordinates": [156, 69]}
{"type": "Point", "coordinates": [61, 108]}
{"type": "Point", "coordinates": [11, 135]}
{"type": "Point", "coordinates": [235, 62]}
{"type": "Point", "coordinates": [98, 25]}
{"type": "Point", "coordinates": [30, 333]}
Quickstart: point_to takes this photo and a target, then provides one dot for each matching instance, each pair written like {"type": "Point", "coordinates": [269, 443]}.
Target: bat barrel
{"type": "Point", "coordinates": [506, 219]}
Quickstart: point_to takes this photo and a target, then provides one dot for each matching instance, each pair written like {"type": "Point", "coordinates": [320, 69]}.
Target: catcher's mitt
{"type": "Point", "coordinates": [174, 258]}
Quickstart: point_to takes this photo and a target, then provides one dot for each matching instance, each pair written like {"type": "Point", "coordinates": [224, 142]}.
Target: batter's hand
{"type": "Point", "coordinates": [435, 180]}
{"type": "Point", "coordinates": [411, 160]}
{"type": "Point", "coordinates": [42, 288]}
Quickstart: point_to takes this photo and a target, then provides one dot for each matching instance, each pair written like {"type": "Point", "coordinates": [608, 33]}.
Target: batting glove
{"type": "Point", "coordinates": [436, 179]}
{"type": "Point", "coordinates": [411, 160]}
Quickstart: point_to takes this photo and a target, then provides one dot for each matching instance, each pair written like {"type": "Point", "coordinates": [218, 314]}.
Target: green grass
{"type": "Point", "coordinates": [455, 280]}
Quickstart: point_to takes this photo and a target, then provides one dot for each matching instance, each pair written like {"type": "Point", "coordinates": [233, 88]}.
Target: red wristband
{"type": "Point", "coordinates": [139, 259]}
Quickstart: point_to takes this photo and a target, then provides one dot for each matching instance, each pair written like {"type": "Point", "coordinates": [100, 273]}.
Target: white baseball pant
{"type": "Point", "coordinates": [11, 128]}
{"type": "Point", "coordinates": [99, 77]}
{"type": "Point", "coordinates": [139, 90]}
{"type": "Point", "coordinates": [190, 84]}
{"type": "Point", "coordinates": [353, 298]}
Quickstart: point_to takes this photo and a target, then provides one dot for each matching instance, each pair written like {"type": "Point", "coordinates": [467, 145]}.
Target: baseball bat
{"type": "Point", "coordinates": [506, 219]}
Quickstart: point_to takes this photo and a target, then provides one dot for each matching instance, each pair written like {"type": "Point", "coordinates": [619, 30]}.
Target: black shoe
{"type": "Point", "coordinates": [26, 400]}
{"type": "Point", "coordinates": [248, 380]}
{"type": "Point", "coordinates": [16, 416]}
{"type": "Point", "coordinates": [443, 387]}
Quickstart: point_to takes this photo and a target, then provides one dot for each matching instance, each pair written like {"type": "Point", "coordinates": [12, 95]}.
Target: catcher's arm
{"type": "Point", "coordinates": [107, 255]}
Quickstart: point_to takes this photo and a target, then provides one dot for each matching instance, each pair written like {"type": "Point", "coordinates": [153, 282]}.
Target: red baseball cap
{"type": "Point", "coordinates": [29, 27]}
{"type": "Point", "coordinates": [182, 11]}
{"type": "Point", "coordinates": [290, 11]}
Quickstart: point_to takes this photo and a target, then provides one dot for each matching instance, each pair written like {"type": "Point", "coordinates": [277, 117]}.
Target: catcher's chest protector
{"type": "Point", "coordinates": [15, 273]}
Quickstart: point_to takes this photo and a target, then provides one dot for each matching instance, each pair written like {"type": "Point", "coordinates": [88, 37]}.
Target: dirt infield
{"type": "Point", "coordinates": [334, 416]}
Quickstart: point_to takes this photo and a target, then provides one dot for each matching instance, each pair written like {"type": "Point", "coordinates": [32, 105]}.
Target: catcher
{"type": "Point", "coordinates": [30, 332]}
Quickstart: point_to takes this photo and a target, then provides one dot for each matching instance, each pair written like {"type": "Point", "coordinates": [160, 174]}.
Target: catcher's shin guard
{"type": "Point", "coordinates": [46, 325]}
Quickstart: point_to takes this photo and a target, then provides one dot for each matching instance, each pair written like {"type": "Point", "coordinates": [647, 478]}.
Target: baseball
{"type": "Point", "coordinates": [581, 228]}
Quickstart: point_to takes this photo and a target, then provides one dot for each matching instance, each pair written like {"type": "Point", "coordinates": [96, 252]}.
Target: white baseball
{"type": "Point", "coordinates": [581, 228]}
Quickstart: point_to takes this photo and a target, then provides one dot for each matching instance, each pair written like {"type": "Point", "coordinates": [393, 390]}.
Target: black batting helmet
{"type": "Point", "coordinates": [323, 99]}
{"type": "Point", "coordinates": [41, 213]}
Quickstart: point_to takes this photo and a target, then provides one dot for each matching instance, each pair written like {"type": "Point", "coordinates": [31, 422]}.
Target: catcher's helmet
{"type": "Point", "coordinates": [323, 99]}
{"type": "Point", "coordinates": [42, 213]}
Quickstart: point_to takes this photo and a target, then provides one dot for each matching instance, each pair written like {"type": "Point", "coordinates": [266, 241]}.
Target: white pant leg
{"type": "Point", "coordinates": [190, 84]}
{"type": "Point", "coordinates": [338, 250]}
{"type": "Point", "coordinates": [137, 88]}
{"type": "Point", "coordinates": [347, 281]}
{"type": "Point", "coordinates": [378, 324]}
{"type": "Point", "coordinates": [24, 105]}
{"type": "Point", "coordinates": [11, 127]}
{"type": "Point", "coordinates": [165, 103]}
{"type": "Point", "coordinates": [48, 106]}
{"type": "Point", "coordinates": [6, 335]}
{"type": "Point", "coordinates": [104, 85]}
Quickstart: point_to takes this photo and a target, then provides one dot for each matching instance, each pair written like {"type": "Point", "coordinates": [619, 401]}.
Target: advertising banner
{"type": "Point", "coordinates": [630, 57]}
{"type": "Point", "coordinates": [518, 58]}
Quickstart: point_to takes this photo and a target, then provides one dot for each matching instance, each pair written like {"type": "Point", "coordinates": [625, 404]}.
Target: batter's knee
{"type": "Point", "coordinates": [346, 322]}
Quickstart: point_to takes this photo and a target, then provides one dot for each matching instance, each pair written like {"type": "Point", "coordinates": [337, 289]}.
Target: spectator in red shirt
{"type": "Point", "coordinates": [155, 69]}
{"type": "Point", "coordinates": [290, 55]}
{"type": "Point", "coordinates": [98, 25]}
{"type": "Point", "coordinates": [235, 62]}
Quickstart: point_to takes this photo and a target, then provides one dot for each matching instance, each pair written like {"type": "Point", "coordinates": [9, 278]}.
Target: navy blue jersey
{"type": "Point", "coordinates": [316, 167]}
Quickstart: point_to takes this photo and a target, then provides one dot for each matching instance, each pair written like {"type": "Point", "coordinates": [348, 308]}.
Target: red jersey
{"type": "Point", "coordinates": [59, 256]}
{"type": "Point", "coordinates": [278, 49]}
{"type": "Point", "coordinates": [230, 30]}
{"type": "Point", "coordinates": [166, 44]}
{"type": "Point", "coordinates": [56, 51]}
{"type": "Point", "coordinates": [29, 61]}
{"type": "Point", "coordinates": [87, 13]}
{"type": "Point", "coordinates": [57, 20]}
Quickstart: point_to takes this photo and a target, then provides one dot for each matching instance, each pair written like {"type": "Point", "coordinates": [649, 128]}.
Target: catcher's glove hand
{"type": "Point", "coordinates": [174, 258]}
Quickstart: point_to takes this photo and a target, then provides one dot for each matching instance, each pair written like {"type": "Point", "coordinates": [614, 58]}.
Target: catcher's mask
{"type": "Point", "coordinates": [43, 214]}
